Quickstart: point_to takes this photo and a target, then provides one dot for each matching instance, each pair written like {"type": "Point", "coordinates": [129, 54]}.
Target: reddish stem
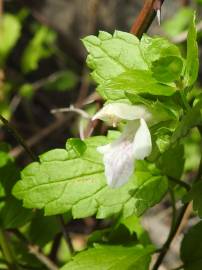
{"type": "Point", "coordinates": [146, 17]}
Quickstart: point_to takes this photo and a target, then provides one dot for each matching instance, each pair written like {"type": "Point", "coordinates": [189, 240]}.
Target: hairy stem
{"type": "Point", "coordinates": [146, 17]}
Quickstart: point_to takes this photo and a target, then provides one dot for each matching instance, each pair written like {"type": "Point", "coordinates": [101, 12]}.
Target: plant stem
{"type": "Point", "coordinates": [171, 236]}
{"type": "Point", "coordinates": [7, 251]}
{"type": "Point", "coordinates": [173, 202]}
{"type": "Point", "coordinates": [66, 234]}
{"type": "Point", "coordinates": [180, 183]}
{"type": "Point", "coordinates": [55, 247]}
{"type": "Point", "coordinates": [1, 9]}
{"type": "Point", "coordinates": [42, 258]}
{"type": "Point", "coordinates": [18, 137]}
{"type": "Point", "coordinates": [173, 231]}
{"type": "Point", "coordinates": [146, 17]}
{"type": "Point", "coordinates": [34, 250]}
{"type": "Point", "coordinates": [179, 267]}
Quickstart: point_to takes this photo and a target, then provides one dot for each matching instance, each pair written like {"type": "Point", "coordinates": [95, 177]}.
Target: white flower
{"type": "Point", "coordinates": [134, 144]}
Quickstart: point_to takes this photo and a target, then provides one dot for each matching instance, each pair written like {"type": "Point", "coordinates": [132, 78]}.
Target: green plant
{"type": "Point", "coordinates": [155, 113]}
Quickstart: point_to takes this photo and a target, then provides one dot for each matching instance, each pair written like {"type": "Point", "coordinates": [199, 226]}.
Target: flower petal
{"type": "Point", "coordinates": [142, 144]}
{"type": "Point", "coordinates": [114, 112]}
{"type": "Point", "coordinates": [118, 161]}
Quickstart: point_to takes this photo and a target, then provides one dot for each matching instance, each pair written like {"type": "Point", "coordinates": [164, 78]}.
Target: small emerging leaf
{"type": "Point", "coordinates": [167, 69]}
{"type": "Point", "coordinates": [9, 34]}
{"type": "Point", "coordinates": [192, 65]}
{"type": "Point", "coordinates": [77, 145]}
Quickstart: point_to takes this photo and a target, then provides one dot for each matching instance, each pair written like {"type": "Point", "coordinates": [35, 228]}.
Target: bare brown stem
{"type": "Point", "coordinates": [146, 17]}
{"type": "Point", "coordinates": [35, 250]}
{"type": "Point", "coordinates": [42, 258]}
{"type": "Point", "coordinates": [1, 8]}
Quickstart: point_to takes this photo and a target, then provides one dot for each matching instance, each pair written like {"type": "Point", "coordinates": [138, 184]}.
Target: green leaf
{"type": "Point", "coordinates": [5, 110]}
{"type": "Point", "coordinates": [192, 64]}
{"type": "Point", "coordinates": [192, 119]}
{"type": "Point", "coordinates": [9, 173]}
{"type": "Point", "coordinates": [192, 151]}
{"type": "Point", "coordinates": [38, 48]}
{"type": "Point", "coordinates": [115, 235]}
{"type": "Point", "coordinates": [9, 34]}
{"type": "Point", "coordinates": [172, 161]}
{"type": "Point", "coordinates": [157, 47]}
{"type": "Point", "coordinates": [109, 56]}
{"type": "Point", "coordinates": [195, 195]}
{"type": "Point", "coordinates": [43, 229]}
{"type": "Point", "coordinates": [133, 224]}
{"type": "Point", "coordinates": [163, 142]}
{"type": "Point", "coordinates": [66, 181]}
{"type": "Point", "coordinates": [134, 82]}
{"type": "Point", "coordinates": [126, 231]}
{"type": "Point", "coordinates": [122, 63]}
{"type": "Point", "coordinates": [13, 215]}
{"type": "Point", "coordinates": [77, 145]}
{"type": "Point", "coordinates": [26, 91]}
{"type": "Point", "coordinates": [163, 110]}
{"type": "Point", "coordinates": [161, 138]}
{"type": "Point", "coordinates": [62, 81]}
{"type": "Point", "coordinates": [167, 69]}
{"type": "Point", "coordinates": [179, 22]}
{"type": "Point", "coordinates": [191, 248]}
{"type": "Point", "coordinates": [112, 258]}
{"type": "Point", "coordinates": [4, 157]}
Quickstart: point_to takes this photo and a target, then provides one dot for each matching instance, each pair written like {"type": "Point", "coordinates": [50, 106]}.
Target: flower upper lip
{"type": "Point", "coordinates": [115, 112]}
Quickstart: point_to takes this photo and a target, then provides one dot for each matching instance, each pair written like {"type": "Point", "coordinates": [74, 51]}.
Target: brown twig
{"type": "Point", "coordinates": [42, 258]}
{"type": "Point", "coordinates": [35, 250]}
{"type": "Point", "coordinates": [146, 17]}
{"type": "Point", "coordinates": [1, 8]}
{"type": "Point", "coordinates": [185, 2]}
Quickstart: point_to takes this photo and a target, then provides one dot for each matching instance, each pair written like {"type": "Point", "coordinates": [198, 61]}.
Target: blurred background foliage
{"type": "Point", "coordinates": [42, 67]}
